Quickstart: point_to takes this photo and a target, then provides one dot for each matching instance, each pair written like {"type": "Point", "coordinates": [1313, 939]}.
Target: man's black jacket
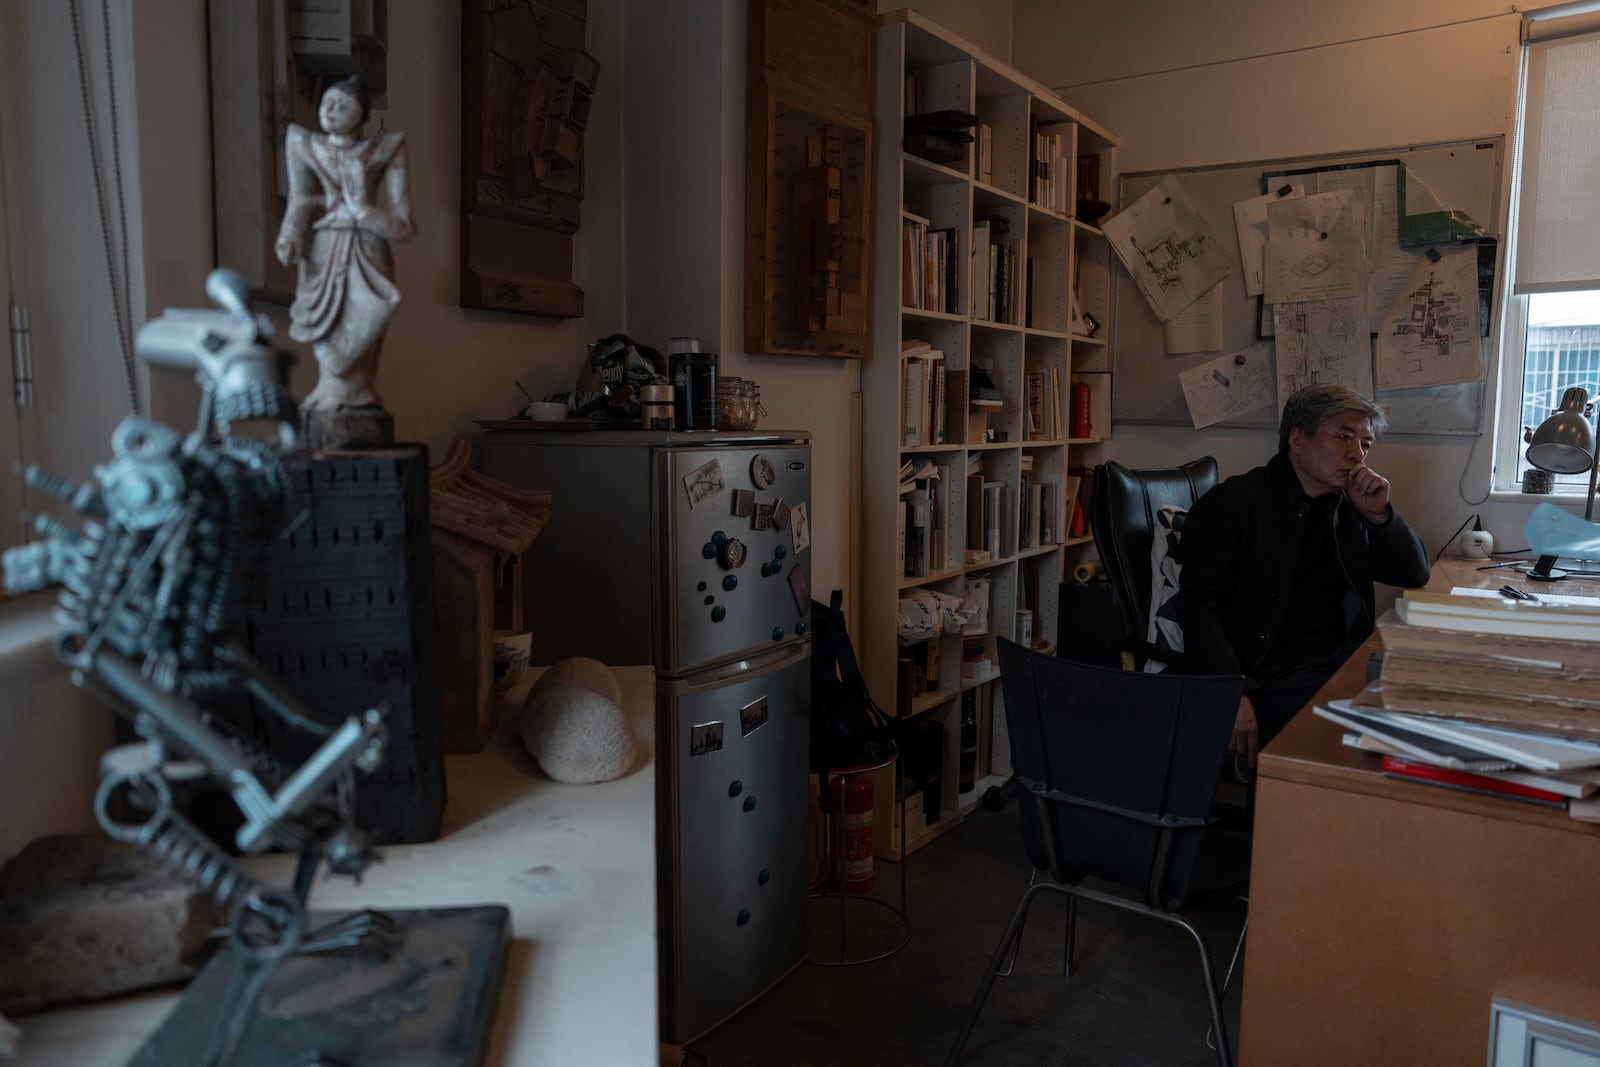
{"type": "Point", "coordinates": [1239, 549]}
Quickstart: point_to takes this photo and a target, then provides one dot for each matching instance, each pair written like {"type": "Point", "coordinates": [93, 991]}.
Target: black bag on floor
{"type": "Point", "coordinates": [847, 726]}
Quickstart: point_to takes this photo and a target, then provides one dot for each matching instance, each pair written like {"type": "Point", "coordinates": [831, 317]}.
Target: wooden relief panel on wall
{"type": "Point", "coordinates": [526, 84]}
{"type": "Point", "coordinates": [808, 164]}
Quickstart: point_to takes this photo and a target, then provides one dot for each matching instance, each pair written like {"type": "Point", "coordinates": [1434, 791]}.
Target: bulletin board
{"type": "Point", "coordinates": [1465, 175]}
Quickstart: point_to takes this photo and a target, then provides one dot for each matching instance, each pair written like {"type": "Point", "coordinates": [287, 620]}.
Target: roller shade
{"type": "Point", "coordinates": [1558, 224]}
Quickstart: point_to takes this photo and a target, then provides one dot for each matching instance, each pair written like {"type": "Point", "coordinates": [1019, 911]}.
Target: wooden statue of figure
{"type": "Point", "coordinates": [347, 193]}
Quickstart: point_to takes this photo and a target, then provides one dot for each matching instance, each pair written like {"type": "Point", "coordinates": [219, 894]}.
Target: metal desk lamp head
{"type": "Point", "coordinates": [1564, 444]}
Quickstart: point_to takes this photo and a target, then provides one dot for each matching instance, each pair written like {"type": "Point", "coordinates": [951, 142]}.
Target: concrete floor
{"type": "Point", "coordinates": [1135, 995]}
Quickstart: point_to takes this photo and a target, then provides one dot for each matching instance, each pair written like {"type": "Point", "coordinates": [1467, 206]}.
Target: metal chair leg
{"type": "Point", "coordinates": [1007, 940]}
{"type": "Point", "coordinates": [1227, 979]}
{"type": "Point", "coordinates": [1224, 1053]}
{"type": "Point", "coordinates": [1072, 937]}
{"type": "Point", "coordinates": [1011, 964]}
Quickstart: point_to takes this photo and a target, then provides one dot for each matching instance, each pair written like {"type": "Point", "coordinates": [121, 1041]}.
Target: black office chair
{"type": "Point", "coordinates": [1125, 504]}
{"type": "Point", "coordinates": [1116, 771]}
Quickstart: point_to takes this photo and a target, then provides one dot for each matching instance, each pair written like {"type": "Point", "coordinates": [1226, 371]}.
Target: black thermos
{"type": "Point", "coordinates": [694, 380]}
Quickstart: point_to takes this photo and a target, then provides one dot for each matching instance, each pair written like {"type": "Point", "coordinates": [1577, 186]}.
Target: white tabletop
{"type": "Point", "coordinates": [575, 864]}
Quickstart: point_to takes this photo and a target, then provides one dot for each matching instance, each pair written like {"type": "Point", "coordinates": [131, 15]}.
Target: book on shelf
{"type": "Point", "coordinates": [1035, 406]}
{"type": "Point", "coordinates": [975, 524]}
{"type": "Point", "coordinates": [1081, 427]}
{"type": "Point", "coordinates": [1499, 616]}
{"type": "Point", "coordinates": [917, 526]}
{"type": "Point", "coordinates": [1411, 770]}
{"type": "Point", "coordinates": [911, 403]}
{"type": "Point", "coordinates": [993, 501]}
{"type": "Point", "coordinates": [1573, 785]}
{"type": "Point", "coordinates": [979, 273]}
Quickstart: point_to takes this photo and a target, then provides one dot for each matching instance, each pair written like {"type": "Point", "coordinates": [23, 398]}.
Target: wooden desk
{"type": "Point", "coordinates": [1384, 915]}
{"type": "Point", "coordinates": [1452, 571]}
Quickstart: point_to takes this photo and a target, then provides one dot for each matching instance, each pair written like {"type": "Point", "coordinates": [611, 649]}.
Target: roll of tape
{"type": "Point", "coordinates": [1084, 573]}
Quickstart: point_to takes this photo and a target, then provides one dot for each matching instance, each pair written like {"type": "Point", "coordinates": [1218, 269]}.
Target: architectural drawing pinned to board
{"type": "Point", "coordinates": [1198, 327]}
{"type": "Point", "coordinates": [1314, 268]}
{"type": "Point", "coordinates": [1430, 335]}
{"type": "Point", "coordinates": [1250, 219]}
{"type": "Point", "coordinates": [1225, 388]}
{"type": "Point", "coordinates": [1322, 342]}
{"type": "Point", "coordinates": [1167, 247]}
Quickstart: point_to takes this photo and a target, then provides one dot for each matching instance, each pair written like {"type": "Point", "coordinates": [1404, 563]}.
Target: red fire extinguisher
{"type": "Point", "coordinates": [852, 802]}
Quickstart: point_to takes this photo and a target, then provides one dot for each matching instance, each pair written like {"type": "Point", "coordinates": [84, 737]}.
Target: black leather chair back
{"type": "Point", "coordinates": [1125, 505]}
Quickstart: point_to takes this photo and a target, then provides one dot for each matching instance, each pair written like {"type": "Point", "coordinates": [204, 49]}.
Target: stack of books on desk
{"type": "Point", "coordinates": [1487, 693]}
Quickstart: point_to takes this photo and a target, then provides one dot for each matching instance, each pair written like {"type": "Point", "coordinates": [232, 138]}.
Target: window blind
{"type": "Point", "coordinates": [1558, 226]}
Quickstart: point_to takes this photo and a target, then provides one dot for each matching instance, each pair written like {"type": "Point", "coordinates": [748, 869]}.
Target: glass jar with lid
{"type": "Point", "coordinates": [738, 403]}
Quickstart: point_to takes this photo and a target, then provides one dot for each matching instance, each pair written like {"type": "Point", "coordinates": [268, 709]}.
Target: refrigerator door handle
{"type": "Point", "coordinates": [765, 663]}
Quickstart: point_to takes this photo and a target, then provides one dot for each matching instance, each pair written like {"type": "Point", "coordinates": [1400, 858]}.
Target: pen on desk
{"type": "Point", "coordinates": [1516, 594]}
{"type": "Point", "coordinates": [1497, 566]}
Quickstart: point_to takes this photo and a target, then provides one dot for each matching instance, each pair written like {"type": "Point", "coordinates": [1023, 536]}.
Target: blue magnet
{"type": "Point", "coordinates": [730, 581]}
{"type": "Point", "coordinates": [749, 803]}
{"type": "Point", "coordinates": [719, 538]}
{"type": "Point", "coordinates": [744, 916]}
{"type": "Point", "coordinates": [800, 627]}
{"type": "Point", "coordinates": [735, 788]}
{"type": "Point", "coordinates": [777, 633]}
{"type": "Point", "coordinates": [708, 550]}
{"type": "Point", "coordinates": [779, 552]}
{"type": "Point", "coordinates": [764, 877]}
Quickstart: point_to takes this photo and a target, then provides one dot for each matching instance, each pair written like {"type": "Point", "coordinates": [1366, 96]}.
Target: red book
{"type": "Point", "coordinates": [1080, 410]}
{"type": "Point", "coordinates": [1399, 767]}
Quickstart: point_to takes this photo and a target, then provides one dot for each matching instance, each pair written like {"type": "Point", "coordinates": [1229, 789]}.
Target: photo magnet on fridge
{"type": "Point", "coordinates": [798, 587]}
{"type": "Point", "coordinates": [780, 514]}
{"type": "Point", "coordinates": [705, 737]}
{"type": "Point", "coordinates": [744, 503]}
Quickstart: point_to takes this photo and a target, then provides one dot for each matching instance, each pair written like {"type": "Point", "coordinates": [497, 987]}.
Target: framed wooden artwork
{"type": "Point", "coordinates": [526, 86]}
{"type": "Point", "coordinates": [808, 162]}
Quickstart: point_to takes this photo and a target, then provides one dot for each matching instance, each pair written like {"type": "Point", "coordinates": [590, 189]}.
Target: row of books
{"type": "Point", "coordinates": [923, 521]}
{"type": "Point", "coordinates": [997, 274]}
{"type": "Point", "coordinates": [1487, 694]}
{"type": "Point", "coordinates": [1051, 167]}
{"type": "Point", "coordinates": [930, 276]}
{"type": "Point", "coordinates": [925, 391]}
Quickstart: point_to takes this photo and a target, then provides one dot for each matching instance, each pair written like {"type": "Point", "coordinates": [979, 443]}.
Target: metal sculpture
{"type": "Point", "coordinates": [175, 536]}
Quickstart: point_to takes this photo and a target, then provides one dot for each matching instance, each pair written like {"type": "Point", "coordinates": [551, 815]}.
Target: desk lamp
{"type": "Point", "coordinates": [1564, 444]}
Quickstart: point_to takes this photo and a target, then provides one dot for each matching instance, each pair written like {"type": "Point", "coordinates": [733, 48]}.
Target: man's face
{"type": "Point", "coordinates": [1324, 459]}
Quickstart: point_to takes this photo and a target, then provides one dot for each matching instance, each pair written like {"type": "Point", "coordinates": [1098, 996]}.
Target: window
{"type": "Point", "coordinates": [1551, 332]}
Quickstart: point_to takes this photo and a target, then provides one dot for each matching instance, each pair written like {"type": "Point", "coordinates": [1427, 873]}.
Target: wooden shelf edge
{"type": "Point", "coordinates": [908, 582]}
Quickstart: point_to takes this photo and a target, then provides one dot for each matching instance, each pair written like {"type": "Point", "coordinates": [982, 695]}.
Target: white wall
{"type": "Point", "coordinates": [1184, 87]}
{"type": "Point", "coordinates": [684, 197]}
{"type": "Point", "coordinates": [985, 23]}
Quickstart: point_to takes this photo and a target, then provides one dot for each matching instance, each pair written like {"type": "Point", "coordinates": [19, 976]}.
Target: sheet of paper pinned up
{"type": "Point", "coordinates": [1198, 327]}
{"type": "Point", "coordinates": [1430, 335]}
{"type": "Point", "coordinates": [1250, 220]}
{"type": "Point", "coordinates": [1227, 387]}
{"type": "Point", "coordinates": [1313, 267]}
{"type": "Point", "coordinates": [1339, 212]}
{"type": "Point", "coordinates": [1322, 342]}
{"type": "Point", "coordinates": [1173, 255]}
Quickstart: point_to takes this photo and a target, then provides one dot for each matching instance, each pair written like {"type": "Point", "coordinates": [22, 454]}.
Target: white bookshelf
{"type": "Point", "coordinates": [1038, 337]}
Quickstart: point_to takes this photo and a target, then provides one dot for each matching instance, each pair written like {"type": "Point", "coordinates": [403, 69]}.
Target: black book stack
{"type": "Point", "coordinates": [941, 136]}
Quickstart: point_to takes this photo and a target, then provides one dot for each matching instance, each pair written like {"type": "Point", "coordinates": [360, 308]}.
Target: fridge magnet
{"type": "Point", "coordinates": [752, 716]}
{"type": "Point", "coordinates": [702, 482]}
{"type": "Point", "coordinates": [780, 514]}
{"type": "Point", "coordinates": [763, 517]}
{"type": "Point", "coordinates": [798, 587]}
{"type": "Point", "coordinates": [762, 472]}
{"type": "Point", "coordinates": [705, 737]}
{"type": "Point", "coordinates": [744, 503]}
{"type": "Point", "coordinates": [802, 528]}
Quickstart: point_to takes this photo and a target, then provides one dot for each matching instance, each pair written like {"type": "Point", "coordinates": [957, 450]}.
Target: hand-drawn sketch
{"type": "Point", "coordinates": [1168, 248]}
{"type": "Point", "coordinates": [1250, 219]}
{"type": "Point", "coordinates": [1228, 386]}
{"type": "Point", "coordinates": [1430, 336]}
{"type": "Point", "coordinates": [1337, 212]}
{"type": "Point", "coordinates": [1322, 342]}
{"type": "Point", "coordinates": [1299, 267]}
{"type": "Point", "coordinates": [703, 481]}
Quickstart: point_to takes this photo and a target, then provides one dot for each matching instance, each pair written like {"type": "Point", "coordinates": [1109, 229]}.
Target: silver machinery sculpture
{"type": "Point", "coordinates": [175, 534]}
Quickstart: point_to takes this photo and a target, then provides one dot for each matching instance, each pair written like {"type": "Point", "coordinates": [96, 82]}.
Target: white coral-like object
{"type": "Point", "coordinates": [578, 736]}
{"type": "Point", "coordinates": [579, 671]}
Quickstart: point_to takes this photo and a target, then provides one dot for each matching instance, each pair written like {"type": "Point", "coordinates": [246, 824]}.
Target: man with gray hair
{"type": "Point", "coordinates": [1279, 562]}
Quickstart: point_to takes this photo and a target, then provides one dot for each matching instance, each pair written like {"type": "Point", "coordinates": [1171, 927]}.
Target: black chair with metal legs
{"type": "Point", "coordinates": [1116, 771]}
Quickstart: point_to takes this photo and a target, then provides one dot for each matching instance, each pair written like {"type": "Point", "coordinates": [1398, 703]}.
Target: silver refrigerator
{"type": "Point", "coordinates": [691, 551]}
